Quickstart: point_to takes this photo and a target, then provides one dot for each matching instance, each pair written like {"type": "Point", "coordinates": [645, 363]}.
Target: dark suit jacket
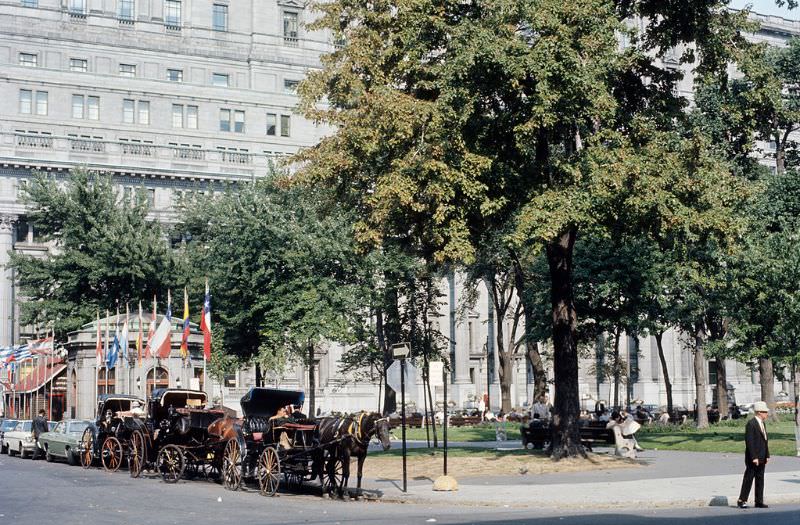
{"type": "Point", "coordinates": [756, 446]}
{"type": "Point", "coordinates": [39, 426]}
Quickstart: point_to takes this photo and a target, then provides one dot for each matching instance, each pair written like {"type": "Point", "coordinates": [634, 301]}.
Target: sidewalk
{"type": "Point", "coordinates": [666, 479]}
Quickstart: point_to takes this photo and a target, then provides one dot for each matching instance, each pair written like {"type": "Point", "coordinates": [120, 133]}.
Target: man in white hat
{"type": "Point", "coordinates": [756, 456]}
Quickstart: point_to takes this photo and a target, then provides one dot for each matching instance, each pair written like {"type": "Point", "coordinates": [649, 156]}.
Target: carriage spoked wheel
{"type": "Point", "coordinates": [111, 454]}
{"type": "Point", "coordinates": [231, 466]}
{"type": "Point", "coordinates": [87, 448]}
{"type": "Point", "coordinates": [334, 476]}
{"type": "Point", "coordinates": [268, 472]}
{"type": "Point", "coordinates": [137, 454]}
{"type": "Point", "coordinates": [171, 463]}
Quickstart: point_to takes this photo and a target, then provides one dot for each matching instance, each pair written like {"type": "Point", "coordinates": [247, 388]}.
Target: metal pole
{"type": "Point", "coordinates": [444, 424]}
{"type": "Point", "coordinates": [403, 418]}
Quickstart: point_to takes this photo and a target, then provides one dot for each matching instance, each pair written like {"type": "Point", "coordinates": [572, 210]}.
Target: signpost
{"type": "Point", "coordinates": [401, 351]}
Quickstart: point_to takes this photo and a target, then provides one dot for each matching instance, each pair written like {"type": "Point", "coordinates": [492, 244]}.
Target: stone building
{"type": "Point", "coordinates": [177, 96]}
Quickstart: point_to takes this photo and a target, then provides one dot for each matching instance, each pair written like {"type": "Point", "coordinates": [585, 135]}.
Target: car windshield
{"type": "Point", "coordinates": [8, 425]}
{"type": "Point", "coordinates": [26, 426]}
{"type": "Point", "coordinates": [51, 425]}
{"type": "Point", "coordinates": [77, 426]}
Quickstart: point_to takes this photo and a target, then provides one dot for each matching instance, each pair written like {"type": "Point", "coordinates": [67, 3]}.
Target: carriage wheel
{"type": "Point", "coordinates": [268, 472]}
{"type": "Point", "coordinates": [87, 448]}
{"type": "Point", "coordinates": [137, 454]}
{"type": "Point", "coordinates": [334, 476]}
{"type": "Point", "coordinates": [111, 454]}
{"type": "Point", "coordinates": [231, 466]}
{"type": "Point", "coordinates": [171, 463]}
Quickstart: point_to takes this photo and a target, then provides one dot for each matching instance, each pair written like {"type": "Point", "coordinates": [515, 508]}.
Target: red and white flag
{"type": "Point", "coordinates": [205, 325]}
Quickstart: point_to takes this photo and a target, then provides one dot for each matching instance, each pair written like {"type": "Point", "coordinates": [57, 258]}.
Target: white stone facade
{"type": "Point", "coordinates": [172, 96]}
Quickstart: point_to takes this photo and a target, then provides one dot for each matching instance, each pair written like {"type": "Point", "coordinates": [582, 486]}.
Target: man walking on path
{"type": "Point", "coordinates": [756, 456]}
{"type": "Point", "coordinates": [38, 427]}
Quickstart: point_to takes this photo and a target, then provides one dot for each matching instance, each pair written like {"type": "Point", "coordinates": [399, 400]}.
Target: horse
{"type": "Point", "coordinates": [353, 434]}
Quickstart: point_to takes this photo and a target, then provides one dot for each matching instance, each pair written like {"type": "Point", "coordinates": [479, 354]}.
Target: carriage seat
{"type": "Point", "coordinates": [257, 424]}
{"type": "Point", "coordinates": [297, 426]}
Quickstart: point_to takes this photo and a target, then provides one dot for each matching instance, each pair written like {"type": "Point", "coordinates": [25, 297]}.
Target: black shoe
{"type": "Point", "coordinates": [762, 506]}
{"type": "Point", "coordinates": [741, 504]}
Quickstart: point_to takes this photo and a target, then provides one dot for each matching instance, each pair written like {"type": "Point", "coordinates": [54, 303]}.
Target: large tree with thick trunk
{"type": "Point", "coordinates": [454, 117]}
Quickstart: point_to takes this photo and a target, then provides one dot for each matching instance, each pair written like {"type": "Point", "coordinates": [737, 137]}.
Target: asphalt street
{"type": "Point", "coordinates": [39, 492]}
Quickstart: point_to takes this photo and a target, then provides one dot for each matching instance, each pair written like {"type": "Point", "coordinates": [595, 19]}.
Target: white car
{"type": "Point", "coordinates": [20, 440]}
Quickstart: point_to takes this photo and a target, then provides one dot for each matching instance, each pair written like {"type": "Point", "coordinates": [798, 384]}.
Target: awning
{"type": "Point", "coordinates": [38, 377]}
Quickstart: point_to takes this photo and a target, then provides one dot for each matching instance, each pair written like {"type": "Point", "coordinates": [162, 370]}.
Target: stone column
{"type": "Point", "coordinates": [6, 280]}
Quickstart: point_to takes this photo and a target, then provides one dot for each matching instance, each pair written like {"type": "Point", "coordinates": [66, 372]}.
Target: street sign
{"type": "Point", "coordinates": [400, 350]}
{"type": "Point", "coordinates": [393, 374]}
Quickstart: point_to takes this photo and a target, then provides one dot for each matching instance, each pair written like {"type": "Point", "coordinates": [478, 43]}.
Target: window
{"type": "Point", "coordinates": [157, 378]}
{"type": "Point", "coordinates": [220, 80]}
{"type": "Point", "coordinates": [175, 75]}
{"type": "Point", "coordinates": [272, 124]}
{"type": "Point", "coordinates": [106, 378]}
{"type": "Point", "coordinates": [77, 6]}
{"type": "Point", "coordinates": [238, 121]}
{"type": "Point", "coordinates": [41, 102]}
{"type": "Point", "coordinates": [77, 106]}
{"type": "Point", "coordinates": [127, 70]}
{"type": "Point", "coordinates": [144, 112]}
{"type": "Point", "coordinates": [290, 86]}
{"type": "Point", "coordinates": [172, 13]}
{"type": "Point", "coordinates": [219, 17]}
{"type": "Point", "coordinates": [126, 10]}
{"type": "Point", "coordinates": [286, 122]}
{"type": "Point", "coordinates": [79, 64]}
{"type": "Point", "coordinates": [28, 59]}
{"type": "Point", "coordinates": [177, 116]}
{"type": "Point", "coordinates": [25, 101]}
{"type": "Point", "coordinates": [30, 3]}
{"type": "Point", "coordinates": [128, 111]}
{"type": "Point", "coordinates": [184, 116]}
{"type": "Point", "coordinates": [224, 119]}
{"type": "Point", "coordinates": [199, 376]}
{"type": "Point", "coordinates": [290, 24]}
{"type": "Point", "coordinates": [93, 108]}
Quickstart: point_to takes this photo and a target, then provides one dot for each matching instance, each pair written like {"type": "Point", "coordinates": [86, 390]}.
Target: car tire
{"type": "Point", "coordinates": [4, 450]}
{"type": "Point", "coordinates": [21, 452]}
{"type": "Point", "coordinates": [8, 449]}
{"type": "Point", "coordinates": [72, 459]}
{"type": "Point", "coordinates": [47, 455]}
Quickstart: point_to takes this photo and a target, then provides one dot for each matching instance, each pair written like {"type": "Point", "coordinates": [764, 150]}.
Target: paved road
{"type": "Point", "coordinates": [39, 492]}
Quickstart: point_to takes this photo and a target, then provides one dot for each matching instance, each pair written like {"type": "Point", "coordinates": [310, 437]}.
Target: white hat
{"type": "Point", "coordinates": [760, 406]}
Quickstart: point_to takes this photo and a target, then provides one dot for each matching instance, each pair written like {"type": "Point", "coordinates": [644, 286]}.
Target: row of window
{"type": "Point", "coordinates": [173, 15]}
{"type": "Point", "coordinates": [185, 116]}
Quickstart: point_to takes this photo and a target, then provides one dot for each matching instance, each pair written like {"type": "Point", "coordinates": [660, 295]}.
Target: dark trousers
{"type": "Point", "coordinates": [757, 473]}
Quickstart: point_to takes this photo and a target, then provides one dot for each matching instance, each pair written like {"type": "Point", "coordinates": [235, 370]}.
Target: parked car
{"type": "Point", "coordinates": [20, 440]}
{"type": "Point", "coordinates": [62, 441]}
{"type": "Point", "coordinates": [7, 426]}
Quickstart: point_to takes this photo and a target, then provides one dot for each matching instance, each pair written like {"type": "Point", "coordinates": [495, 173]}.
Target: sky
{"type": "Point", "coordinates": [767, 7]}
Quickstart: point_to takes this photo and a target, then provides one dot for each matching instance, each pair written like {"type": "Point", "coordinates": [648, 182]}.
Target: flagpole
{"type": "Point", "coordinates": [52, 376]}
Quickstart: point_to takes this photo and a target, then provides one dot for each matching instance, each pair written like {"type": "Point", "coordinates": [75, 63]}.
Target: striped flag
{"type": "Point", "coordinates": [162, 339]}
{"type": "Point", "coordinates": [205, 325]}
{"type": "Point", "coordinates": [185, 336]}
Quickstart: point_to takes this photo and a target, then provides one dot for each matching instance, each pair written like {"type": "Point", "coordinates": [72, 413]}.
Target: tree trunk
{"type": "Point", "coordinates": [430, 403]}
{"type": "Point", "coordinates": [539, 372]}
{"type": "Point", "coordinates": [767, 381]}
{"type": "Point", "coordinates": [312, 381]}
{"type": "Point", "coordinates": [664, 370]}
{"type": "Point", "coordinates": [389, 396]}
{"type": "Point", "coordinates": [722, 387]}
{"type": "Point", "coordinates": [616, 367]}
{"type": "Point", "coordinates": [566, 408]}
{"type": "Point", "coordinates": [701, 416]}
{"type": "Point", "coordinates": [796, 385]}
{"type": "Point", "coordinates": [258, 376]}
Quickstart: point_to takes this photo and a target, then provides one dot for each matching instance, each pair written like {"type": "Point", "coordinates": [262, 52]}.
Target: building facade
{"type": "Point", "coordinates": [177, 96]}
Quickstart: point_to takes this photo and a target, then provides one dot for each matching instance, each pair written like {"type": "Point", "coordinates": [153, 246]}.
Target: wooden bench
{"type": "Point", "coordinates": [539, 435]}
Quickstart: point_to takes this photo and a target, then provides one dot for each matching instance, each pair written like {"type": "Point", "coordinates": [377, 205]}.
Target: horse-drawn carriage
{"type": "Point", "coordinates": [112, 434]}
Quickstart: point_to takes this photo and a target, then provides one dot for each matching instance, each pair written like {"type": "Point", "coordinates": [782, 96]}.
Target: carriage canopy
{"type": "Point", "coordinates": [116, 403]}
{"type": "Point", "coordinates": [163, 398]}
{"type": "Point", "coordinates": [265, 402]}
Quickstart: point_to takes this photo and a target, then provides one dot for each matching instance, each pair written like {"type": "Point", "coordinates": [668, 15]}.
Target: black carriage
{"type": "Point", "coordinates": [266, 447]}
{"type": "Point", "coordinates": [176, 437]}
{"type": "Point", "coordinates": [111, 436]}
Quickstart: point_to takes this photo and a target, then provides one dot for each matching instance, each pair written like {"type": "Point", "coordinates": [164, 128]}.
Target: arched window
{"type": "Point", "coordinates": [157, 377]}
{"type": "Point", "coordinates": [106, 379]}
{"type": "Point", "coordinates": [73, 394]}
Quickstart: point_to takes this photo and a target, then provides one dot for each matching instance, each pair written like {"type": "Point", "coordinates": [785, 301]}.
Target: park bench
{"type": "Point", "coordinates": [539, 434]}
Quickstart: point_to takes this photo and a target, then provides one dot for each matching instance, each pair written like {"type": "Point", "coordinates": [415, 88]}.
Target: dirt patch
{"type": "Point", "coordinates": [460, 467]}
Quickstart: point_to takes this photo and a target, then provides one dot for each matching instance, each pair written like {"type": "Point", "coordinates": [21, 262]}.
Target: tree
{"type": "Point", "coordinates": [282, 272]}
{"type": "Point", "coordinates": [452, 118]}
{"type": "Point", "coordinates": [106, 252]}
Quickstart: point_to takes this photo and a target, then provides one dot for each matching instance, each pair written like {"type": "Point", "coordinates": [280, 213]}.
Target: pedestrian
{"type": "Point", "coordinates": [38, 427]}
{"type": "Point", "coordinates": [756, 456]}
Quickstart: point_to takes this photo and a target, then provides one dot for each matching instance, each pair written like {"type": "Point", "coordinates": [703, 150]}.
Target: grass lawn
{"type": "Point", "coordinates": [483, 432]}
{"type": "Point", "coordinates": [727, 436]}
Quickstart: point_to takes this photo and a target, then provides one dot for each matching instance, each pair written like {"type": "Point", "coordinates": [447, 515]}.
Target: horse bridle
{"type": "Point", "coordinates": [358, 426]}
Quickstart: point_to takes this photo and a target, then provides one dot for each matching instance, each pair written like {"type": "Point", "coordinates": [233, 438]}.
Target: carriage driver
{"type": "Point", "coordinates": [282, 416]}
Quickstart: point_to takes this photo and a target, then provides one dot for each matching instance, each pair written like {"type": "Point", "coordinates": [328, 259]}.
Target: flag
{"type": "Point", "coordinates": [162, 339]}
{"type": "Point", "coordinates": [185, 337]}
{"type": "Point", "coordinates": [41, 346]}
{"type": "Point", "coordinates": [113, 354]}
{"type": "Point", "coordinates": [149, 351]}
{"type": "Point", "coordinates": [139, 337]}
{"type": "Point", "coordinates": [205, 325]}
{"type": "Point", "coordinates": [98, 350]}
{"type": "Point", "coordinates": [123, 338]}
